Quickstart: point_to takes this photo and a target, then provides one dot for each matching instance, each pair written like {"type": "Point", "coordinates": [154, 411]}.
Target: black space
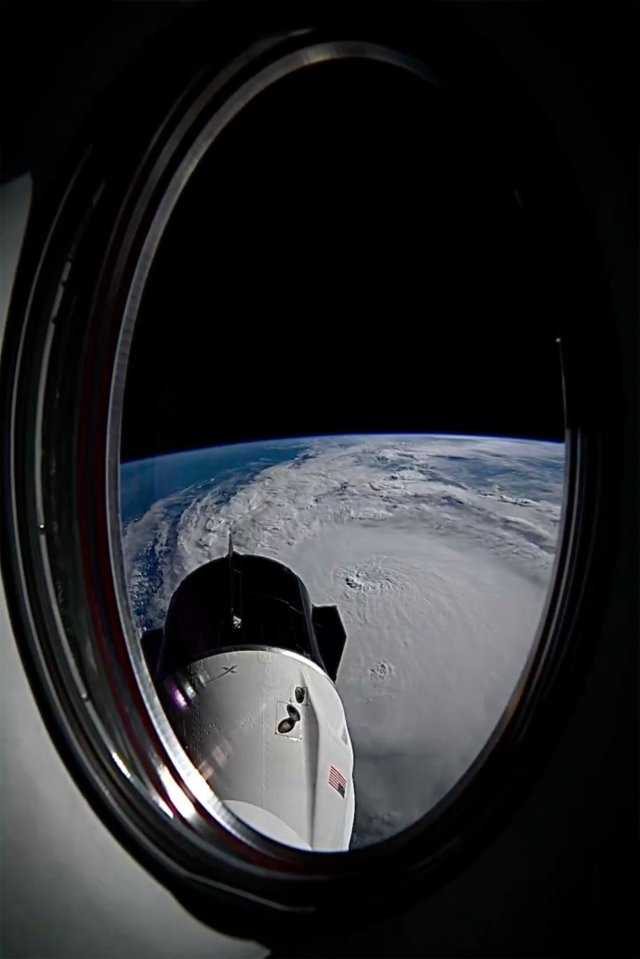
{"type": "Point", "coordinates": [349, 257]}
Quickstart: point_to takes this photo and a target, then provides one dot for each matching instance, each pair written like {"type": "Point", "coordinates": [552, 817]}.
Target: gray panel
{"type": "Point", "coordinates": [68, 888]}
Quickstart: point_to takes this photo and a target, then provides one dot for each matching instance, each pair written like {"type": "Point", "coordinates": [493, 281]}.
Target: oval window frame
{"type": "Point", "coordinates": [250, 871]}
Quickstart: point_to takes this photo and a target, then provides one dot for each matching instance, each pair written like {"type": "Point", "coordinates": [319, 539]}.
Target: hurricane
{"type": "Point", "coordinates": [437, 550]}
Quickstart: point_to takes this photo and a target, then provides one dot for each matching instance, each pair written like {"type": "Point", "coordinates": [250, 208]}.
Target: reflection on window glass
{"type": "Point", "coordinates": [436, 550]}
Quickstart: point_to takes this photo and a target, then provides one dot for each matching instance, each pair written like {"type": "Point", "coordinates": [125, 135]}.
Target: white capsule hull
{"type": "Point", "coordinates": [267, 729]}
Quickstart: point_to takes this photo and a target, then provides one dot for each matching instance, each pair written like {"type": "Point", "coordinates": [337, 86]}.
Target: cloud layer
{"type": "Point", "coordinates": [438, 552]}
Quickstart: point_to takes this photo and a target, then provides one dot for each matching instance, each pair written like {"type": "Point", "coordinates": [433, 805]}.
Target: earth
{"type": "Point", "coordinates": [437, 550]}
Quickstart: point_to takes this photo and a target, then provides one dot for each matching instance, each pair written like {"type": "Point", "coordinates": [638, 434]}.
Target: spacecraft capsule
{"type": "Point", "coordinates": [245, 668]}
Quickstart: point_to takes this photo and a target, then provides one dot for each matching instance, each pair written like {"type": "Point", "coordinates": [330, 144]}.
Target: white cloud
{"type": "Point", "coordinates": [437, 551]}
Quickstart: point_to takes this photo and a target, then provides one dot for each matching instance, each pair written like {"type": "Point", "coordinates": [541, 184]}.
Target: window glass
{"type": "Point", "coordinates": [343, 359]}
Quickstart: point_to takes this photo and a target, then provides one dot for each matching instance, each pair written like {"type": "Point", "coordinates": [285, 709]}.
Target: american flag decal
{"type": "Point", "coordinates": [337, 780]}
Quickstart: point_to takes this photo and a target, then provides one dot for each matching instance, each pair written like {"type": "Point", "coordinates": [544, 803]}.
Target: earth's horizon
{"type": "Point", "coordinates": [437, 549]}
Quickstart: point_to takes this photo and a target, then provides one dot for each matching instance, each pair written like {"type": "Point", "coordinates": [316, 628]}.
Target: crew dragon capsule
{"type": "Point", "coordinates": [245, 668]}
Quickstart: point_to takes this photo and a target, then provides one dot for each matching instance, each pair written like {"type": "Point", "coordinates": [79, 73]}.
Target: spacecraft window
{"type": "Point", "coordinates": [415, 438]}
